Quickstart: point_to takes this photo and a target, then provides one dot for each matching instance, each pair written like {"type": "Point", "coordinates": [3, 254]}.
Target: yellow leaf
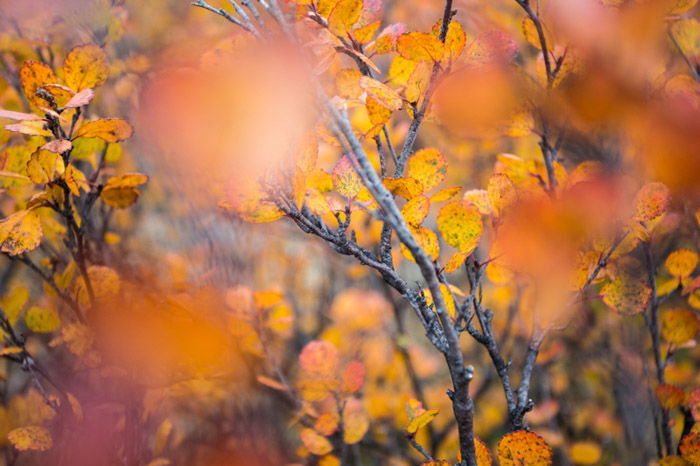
{"type": "Point", "coordinates": [365, 33]}
{"type": "Point", "coordinates": [30, 128]}
{"type": "Point", "coordinates": [421, 420]}
{"type": "Point", "coordinates": [400, 70]}
{"type": "Point", "coordinates": [41, 320]}
{"type": "Point", "coordinates": [347, 83]}
{"type": "Point", "coordinates": [105, 282]}
{"type": "Point", "coordinates": [381, 93]}
{"type": "Point", "coordinates": [479, 198]}
{"type": "Point", "coordinates": [249, 201]}
{"type": "Point", "coordinates": [346, 181]}
{"type": "Point", "coordinates": [76, 180]}
{"type": "Point", "coordinates": [386, 42]}
{"type": "Point", "coordinates": [585, 453]}
{"type": "Point", "coordinates": [679, 325]}
{"type": "Point", "coordinates": [681, 263]}
{"type": "Point", "coordinates": [30, 438]}
{"type": "Point", "coordinates": [378, 113]}
{"type": "Point", "coordinates": [408, 188]}
{"type": "Point", "coordinates": [315, 443]}
{"type": "Point", "coordinates": [355, 421]}
{"type": "Point", "coordinates": [445, 194]}
{"type": "Point", "coordinates": [450, 293]}
{"type": "Point", "coordinates": [33, 76]}
{"type": "Point", "coordinates": [119, 197]}
{"type": "Point", "coordinates": [45, 166]}
{"type": "Point", "coordinates": [327, 423]}
{"type": "Point", "coordinates": [343, 16]}
{"type": "Point", "coordinates": [456, 261]}
{"type": "Point", "coordinates": [110, 130]}
{"type": "Point", "coordinates": [523, 447]}
{"type": "Point", "coordinates": [85, 67]}
{"type": "Point", "coordinates": [415, 210]}
{"type": "Point", "coordinates": [687, 34]}
{"type": "Point", "coordinates": [460, 225]}
{"type": "Point", "coordinates": [427, 240]}
{"type": "Point", "coordinates": [13, 303]}
{"type": "Point", "coordinates": [501, 193]}
{"type": "Point", "coordinates": [161, 437]}
{"type": "Point", "coordinates": [20, 232]}
{"type": "Point", "coordinates": [454, 41]}
{"type": "Point", "coordinates": [483, 455]}
{"type": "Point", "coordinates": [626, 295]}
{"type": "Point", "coordinates": [420, 46]}
{"type": "Point", "coordinates": [316, 202]}
{"type": "Point", "coordinates": [428, 166]}
{"type": "Point", "coordinates": [681, 6]}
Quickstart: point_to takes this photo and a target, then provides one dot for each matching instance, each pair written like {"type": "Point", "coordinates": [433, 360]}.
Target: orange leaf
{"type": "Point", "coordinates": [33, 76]}
{"type": "Point", "coordinates": [690, 448]}
{"type": "Point", "coordinates": [651, 202]}
{"type": "Point", "coordinates": [381, 93]}
{"type": "Point", "coordinates": [679, 325]}
{"type": "Point", "coordinates": [626, 295]}
{"type": "Point", "coordinates": [315, 443]}
{"type": "Point", "coordinates": [681, 263]}
{"type": "Point", "coordinates": [353, 377]}
{"type": "Point", "coordinates": [669, 396]}
{"type": "Point", "coordinates": [30, 438]}
{"type": "Point", "coordinates": [523, 447]}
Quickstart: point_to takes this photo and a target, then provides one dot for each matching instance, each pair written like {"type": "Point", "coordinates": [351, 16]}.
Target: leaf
{"type": "Point", "coordinates": [447, 292]}
{"type": "Point", "coordinates": [491, 46]}
{"type": "Point", "coordinates": [161, 437]}
{"type": "Point", "coordinates": [76, 180]}
{"type": "Point", "coordinates": [41, 320]}
{"type": "Point", "coordinates": [380, 92]}
{"type": "Point", "coordinates": [75, 406]}
{"type": "Point", "coordinates": [353, 377]}
{"type": "Point", "coordinates": [415, 210]}
{"type": "Point", "coordinates": [85, 67]}
{"type": "Point", "coordinates": [421, 420]}
{"type": "Point", "coordinates": [687, 34]}
{"type": "Point", "coordinates": [319, 358]}
{"type": "Point", "coordinates": [386, 42]}
{"type": "Point", "coordinates": [523, 447]}
{"type": "Point", "coordinates": [364, 34]}
{"type": "Point", "coordinates": [681, 6]}
{"type": "Point", "coordinates": [248, 200]}
{"type": "Point", "coordinates": [456, 261]}
{"type": "Point", "coordinates": [445, 194]}
{"type": "Point", "coordinates": [315, 443]}
{"type": "Point", "coordinates": [355, 421]}
{"type": "Point", "coordinates": [34, 75]}
{"type": "Point", "coordinates": [327, 423]}
{"type": "Point", "coordinates": [110, 130]}
{"type": "Point", "coordinates": [408, 188]}
{"type": "Point", "coordinates": [501, 193]}
{"type": "Point", "coordinates": [105, 282]}
{"type": "Point", "coordinates": [346, 181]}
{"type": "Point", "coordinates": [681, 263]}
{"type": "Point", "coordinates": [454, 41]}
{"type": "Point", "coordinates": [20, 232]}
{"type": "Point", "coordinates": [427, 240]}
{"type": "Point", "coordinates": [460, 225]}
{"type": "Point", "coordinates": [378, 113]}
{"type": "Point", "coordinates": [694, 403]}
{"type": "Point", "coordinates": [268, 382]}
{"type": "Point", "coordinates": [626, 295]}
{"type": "Point", "coordinates": [651, 202]}
{"type": "Point", "coordinates": [19, 116]}
{"type": "Point", "coordinates": [673, 460]}
{"type": "Point", "coordinates": [690, 447]}
{"type": "Point", "coordinates": [10, 350]}
{"type": "Point", "coordinates": [679, 325]}
{"type": "Point", "coordinates": [80, 99]}
{"type": "Point", "coordinates": [347, 83]}
{"type": "Point", "coordinates": [585, 453]}
{"type": "Point", "coordinates": [428, 166]}
{"type": "Point", "coordinates": [30, 438]}
{"type": "Point", "coordinates": [483, 455]}
{"type": "Point", "coordinates": [343, 16]}
{"type": "Point", "coordinates": [420, 46]}
{"type": "Point", "coordinates": [479, 198]}
{"type": "Point", "coordinates": [119, 197]}
{"type": "Point", "coordinates": [45, 166]}
{"type": "Point", "coordinates": [669, 396]}
{"type": "Point", "coordinates": [58, 146]}
{"type": "Point", "coordinates": [30, 128]}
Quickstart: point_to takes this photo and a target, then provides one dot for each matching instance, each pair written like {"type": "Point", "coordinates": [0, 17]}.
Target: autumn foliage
{"type": "Point", "coordinates": [349, 232]}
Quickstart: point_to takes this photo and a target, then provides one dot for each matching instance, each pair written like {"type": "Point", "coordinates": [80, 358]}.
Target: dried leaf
{"type": "Point", "coordinates": [110, 130]}
{"type": "Point", "coordinates": [85, 67]}
{"type": "Point", "coordinates": [523, 447]}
